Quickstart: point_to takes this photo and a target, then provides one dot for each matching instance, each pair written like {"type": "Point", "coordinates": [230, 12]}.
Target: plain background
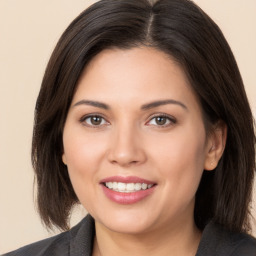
{"type": "Point", "coordinates": [29, 30]}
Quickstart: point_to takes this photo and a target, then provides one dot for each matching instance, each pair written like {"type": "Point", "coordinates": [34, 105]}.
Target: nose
{"type": "Point", "coordinates": [126, 147]}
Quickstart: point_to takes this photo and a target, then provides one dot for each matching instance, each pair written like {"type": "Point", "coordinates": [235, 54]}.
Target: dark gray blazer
{"type": "Point", "coordinates": [79, 242]}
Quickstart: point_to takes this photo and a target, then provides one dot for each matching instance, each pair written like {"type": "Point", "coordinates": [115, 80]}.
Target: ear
{"type": "Point", "coordinates": [215, 145]}
{"type": "Point", "coordinates": [64, 160]}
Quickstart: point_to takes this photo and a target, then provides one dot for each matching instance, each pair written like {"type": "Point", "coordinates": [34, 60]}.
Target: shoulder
{"type": "Point", "coordinates": [53, 245]}
{"type": "Point", "coordinates": [244, 245]}
{"type": "Point", "coordinates": [216, 240]}
{"type": "Point", "coordinates": [62, 244]}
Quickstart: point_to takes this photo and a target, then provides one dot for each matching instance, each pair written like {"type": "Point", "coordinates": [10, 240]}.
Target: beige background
{"type": "Point", "coordinates": [29, 30]}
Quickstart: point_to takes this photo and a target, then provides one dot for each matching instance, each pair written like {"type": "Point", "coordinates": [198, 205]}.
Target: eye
{"type": "Point", "coordinates": [161, 120]}
{"type": "Point", "coordinates": [93, 120]}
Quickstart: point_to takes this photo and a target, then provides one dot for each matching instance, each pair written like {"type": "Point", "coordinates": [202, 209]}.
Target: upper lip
{"type": "Point", "coordinates": [127, 179]}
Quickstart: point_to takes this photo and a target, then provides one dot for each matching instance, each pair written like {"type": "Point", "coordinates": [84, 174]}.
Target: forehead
{"type": "Point", "coordinates": [133, 73]}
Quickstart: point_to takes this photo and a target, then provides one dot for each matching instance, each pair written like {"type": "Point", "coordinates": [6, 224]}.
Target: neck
{"type": "Point", "coordinates": [180, 240]}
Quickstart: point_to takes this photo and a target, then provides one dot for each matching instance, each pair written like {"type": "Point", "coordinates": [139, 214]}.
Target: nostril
{"type": "Point", "coordinates": [126, 149]}
{"type": "Point", "coordinates": [125, 162]}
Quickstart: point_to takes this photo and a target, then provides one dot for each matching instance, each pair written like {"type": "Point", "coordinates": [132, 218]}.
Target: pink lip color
{"type": "Point", "coordinates": [127, 198]}
{"type": "Point", "coordinates": [128, 179]}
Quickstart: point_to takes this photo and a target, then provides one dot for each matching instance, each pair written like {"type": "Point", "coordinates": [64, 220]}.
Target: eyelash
{"type": "Point", "coordinates": [168, 118]}
{"type": "Point", "coordinates": [84, 118]}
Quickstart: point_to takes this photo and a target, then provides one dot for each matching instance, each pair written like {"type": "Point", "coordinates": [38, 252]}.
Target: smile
{"type": "Point", "coordinates": [127, 187]}
{"type": "Point", "coordinates": [127, 190]}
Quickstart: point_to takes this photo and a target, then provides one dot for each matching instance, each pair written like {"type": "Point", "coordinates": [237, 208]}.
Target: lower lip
{"type": "Point", "coordinates": [127, 198]}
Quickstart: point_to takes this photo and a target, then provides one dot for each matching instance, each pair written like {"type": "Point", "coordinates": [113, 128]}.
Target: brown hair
{"type": "Point", "coordinates": [182, 30]}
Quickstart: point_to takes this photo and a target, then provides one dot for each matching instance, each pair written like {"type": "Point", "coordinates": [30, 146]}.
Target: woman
{"type": "Point", "coordinates": [143, 118]}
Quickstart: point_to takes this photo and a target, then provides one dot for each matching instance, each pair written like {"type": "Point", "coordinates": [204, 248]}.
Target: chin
{"type": "Point", "coordinates": [127, 228]}
{"type": "Point", "coordinates": [127, 223]}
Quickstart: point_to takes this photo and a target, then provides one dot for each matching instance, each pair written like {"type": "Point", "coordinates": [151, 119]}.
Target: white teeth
{"type": "Point", "coordinates": [120, 186]}
{"type": "Point", "coordinates": [130, 187]}
{"type": "Point", "coordinates": [127, 187]}
{"type": "Point", "coordinates": [109, 184]}
{"type": "Point", "coordinates": [138, 186]}
{"type": "Point", "coordinates": [144, 186]}
{"type": "Point", "coordinates": [115, 186]}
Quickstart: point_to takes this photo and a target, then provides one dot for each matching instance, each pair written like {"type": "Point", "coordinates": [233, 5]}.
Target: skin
{"type": "Point", "coordinates": [128, 141]}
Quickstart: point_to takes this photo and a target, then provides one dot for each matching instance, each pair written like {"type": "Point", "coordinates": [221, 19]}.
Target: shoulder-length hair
{"type": "Point", "coordinates": [183, 31]}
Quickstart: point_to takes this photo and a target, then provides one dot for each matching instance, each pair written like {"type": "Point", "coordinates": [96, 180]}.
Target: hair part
{"type": "Point", "coordinates": [185, 33]}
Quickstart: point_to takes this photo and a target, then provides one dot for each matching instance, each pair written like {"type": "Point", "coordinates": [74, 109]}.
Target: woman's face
{"type": "Point", "coordinates": [134, 141]}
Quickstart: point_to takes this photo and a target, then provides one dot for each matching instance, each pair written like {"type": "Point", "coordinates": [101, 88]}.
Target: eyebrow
{"type": "Point", "coordinates": [158, 103]}
{"type": "Point", "coordinates": [92, 103]}
{"type": "Point", "coordinates": [147, 106]}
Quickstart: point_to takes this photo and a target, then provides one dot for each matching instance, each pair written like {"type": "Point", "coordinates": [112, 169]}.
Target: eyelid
{"type": "Point", "coordinates": [84, 117]}
{"type": "Point", "coordinates": [169, 117]}
{"type": "Point", "coordinates": [172, 120]}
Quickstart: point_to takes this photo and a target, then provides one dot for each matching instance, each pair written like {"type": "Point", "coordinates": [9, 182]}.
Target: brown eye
{"type": "Point", "coordinates": [162, 120]}
{"type": "Point", "coordinates": [94, 121]}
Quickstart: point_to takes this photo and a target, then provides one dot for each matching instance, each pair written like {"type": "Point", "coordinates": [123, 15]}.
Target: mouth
{"type": "Point", "coordinates": [127, 190]}
{"type": "Point", "coordinates": [127, 187]}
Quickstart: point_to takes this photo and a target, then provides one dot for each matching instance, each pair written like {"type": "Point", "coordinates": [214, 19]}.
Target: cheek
{"type": "Point", "coordinates": [181, 158]}
{"type": "Point", "coordinates": [82, 159]}
{"type": "Point", "coordinates": [83, 156]}
{"type": "Point", "coordinates": [82, 151]}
